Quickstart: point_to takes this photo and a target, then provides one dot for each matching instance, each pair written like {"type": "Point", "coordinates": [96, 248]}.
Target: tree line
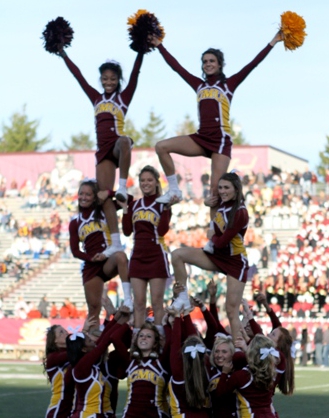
{"type": "Point", "coordinates": [21, 135]}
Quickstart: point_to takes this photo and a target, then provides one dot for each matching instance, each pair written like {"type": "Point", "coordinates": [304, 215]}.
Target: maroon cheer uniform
{"type": "Point", "coordinates": [89, 380]}
{"type": "Point", "coordinates": [147, 380]}
{"type": "Point", "coordinates": [95, 237]}
{"type": "Point", "coordinates": [149, 222]}
{"type": "Point", "coordinates": [214, 99]}
{"type": "Point", "coordinates": [252, 401]}
{"type": "Point", "coordinates": [230, 255]}
{"type": "Point", "coordinates": [222, 406]}
{"type": "Point", "coordinates": [109, 109]}
{"type": "Point", "coordinates": [62, 389]}
{"type": "Point", "coordinates": [179, 408]}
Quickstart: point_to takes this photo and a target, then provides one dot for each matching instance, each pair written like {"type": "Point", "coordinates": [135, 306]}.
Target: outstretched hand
{"type": "Point", "coordinates": [153, 40]}
{"type": "Point", "coordinates": [89, 323]}
{"type": "Point", "coordinates": [107, 304]}
{"type": "Point", "coordinates": [197, 302]}
{"type": "Point", "coordinates": [277, 38]}
{"type": "Point", "coordinates": [177, 289]}
{"type": "Point", "coordinates": [123, 205]}
{"type": "Point", "coordinates": [212, 288]}
{"type": "Point", "coordinates": [98, 257]}
{"type": "Point", "coordinates": [211, 201]}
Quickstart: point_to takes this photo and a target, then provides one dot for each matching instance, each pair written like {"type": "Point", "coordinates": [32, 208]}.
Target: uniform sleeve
{"type": "Point", "coordinates": [164, 222]}
{"type": "Point", "coordinates": [127, 221]}
{"type": "Point", "coordinates": [176, 360]}
{"type": "Point", "coordinates": [74, 243]}
{"type": "Point", "coordinates": [240, 221]}
{"type": "Point", "coordinates": [276, 323]}
{"type": "Point", "coordinates": [58, 358]}
{"type": "Point", "coordinates": [129, 91]}
{"type": "Point", "coordinates": [237, 78]}
{"type": "Point", "coordinates": [120, 347]}
{"type": "Point", "coordinates": [82, 369]}
{"type": "Point", "coordinates": [193, 81]}
{"type": "Point", "coordinates": [213, 311]}
{"type": "Point", "coordinates": [212, 328]}
{"type": "Point", "coordinates": [90, 91]}
{"type": "Point", "coordinates": [255, 327]}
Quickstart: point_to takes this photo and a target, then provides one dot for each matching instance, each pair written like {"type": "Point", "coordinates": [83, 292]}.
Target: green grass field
{"type": "Point", "coordinates": [24, 393]}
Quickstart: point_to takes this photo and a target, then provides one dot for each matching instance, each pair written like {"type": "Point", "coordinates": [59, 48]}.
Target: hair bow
{"type": "Point", "coordinates": [193, 349]}
{"type": "Point", "coordinates": [75, 333]}
{"type": "Point", "coordinates": [108, 61]}
{"type": "Point", "coordinates": [89, 179]}
{"type": "Point", "coordinates": [222, 335]}
{"type": "Point", "coordinates": [234, 171]}
{"type": "Point", "coordinates": [266, 351]}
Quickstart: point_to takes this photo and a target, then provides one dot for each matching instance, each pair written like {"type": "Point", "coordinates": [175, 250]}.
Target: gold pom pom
{"type": "Point", "coordinates": [133, 19]}
{"type": "Point", "coordinates": [293, 30]}
{"type": "Point", "coordinates": [141, 26]}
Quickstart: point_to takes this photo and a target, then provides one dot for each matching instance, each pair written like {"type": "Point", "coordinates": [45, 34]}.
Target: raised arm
{"type": "Point", "coordinates": [90, 91]}
{"type": "Point", "coordinates": [193, 81]}
{"type": "Point", "coordinates": [237, 78]}
{"type": "Point", "coordinates": [276, 323]}
{"type": "Point", "coordinates": [129, 91]}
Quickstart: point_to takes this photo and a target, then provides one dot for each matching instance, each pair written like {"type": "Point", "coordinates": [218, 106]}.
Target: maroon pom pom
{"type": "Point", "coordinates": [57, 35]}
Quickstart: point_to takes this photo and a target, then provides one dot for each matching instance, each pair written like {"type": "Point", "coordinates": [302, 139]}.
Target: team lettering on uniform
{"type": "Point", "coordinates": [90, 228]}
{"type": "Point", "coordinates": [108, 107]}
{"type": "Point", "coordinates": [210, 93]}
{"type": "Point", "coordinates": [146, 215]}
{"type": "Point", "coordinates": [145, 374]}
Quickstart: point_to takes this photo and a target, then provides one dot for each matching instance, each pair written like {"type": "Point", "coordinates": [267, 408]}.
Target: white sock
{"type": "Point", "coordinates": [184, 295]}
{"type": "Point", "coordinates": [126, 287]}
{"type": "Point", "coordinates": [116, 240]}
{"type": "Point", "coordinates": [172, 181]}
{"type": "Point", "coordinates": [123, 183]}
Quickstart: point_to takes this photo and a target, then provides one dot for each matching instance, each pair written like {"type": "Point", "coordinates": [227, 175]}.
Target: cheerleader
{"type": "Point", "coordinates": [55, 365]}
{"type": "Point", "coordinates": [90, 228]}
{"type": "Point", "coordinates": [188, 386]}
{"type": "Point", "coordinates": [149, 222]}
{"type": "Point", "coordinates": [222, 352]}
{"type": "Point", "coordinates": [254, 383]}
{"type": "Point", "coordinates": [86, 358]}
{"type": "Point", "coordinates": [214, 95]}
{"type": "Point", "coordinates": [229, 253]}
{"type": "Point", "coordinates": [113, 146]}
{"type": "Point", "coordinates": [147, 374]}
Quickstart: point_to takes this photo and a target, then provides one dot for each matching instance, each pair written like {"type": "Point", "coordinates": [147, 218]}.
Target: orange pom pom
{"type": "Point", "coordinates": [293, 30]}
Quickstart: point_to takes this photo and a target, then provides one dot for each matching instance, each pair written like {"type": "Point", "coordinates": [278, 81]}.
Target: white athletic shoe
{"type": "Point", "coordinates": [129, 303]}
{"type": "Point", "coordinates": [121, 194]}
{"type": "Point", "coordinates": [209, 247]}
{"type": "Point", "coordinates": [167, 196]}
{"type": "Point", "coordinates": [181, 302]}
{"type": "Point", "coordinates": [112, 249]}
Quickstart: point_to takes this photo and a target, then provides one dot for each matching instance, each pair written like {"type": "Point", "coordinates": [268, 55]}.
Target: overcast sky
{"type": "Point", "coordinates": [283, 103]}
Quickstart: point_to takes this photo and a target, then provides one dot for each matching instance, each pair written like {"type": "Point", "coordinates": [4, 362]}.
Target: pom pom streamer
{"type": "Point", "coordinates": [293, 30]}
{"type": "Point", "coordinates": [57, 35]}
{"type": "Point", "coordinates": [142, 25]}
